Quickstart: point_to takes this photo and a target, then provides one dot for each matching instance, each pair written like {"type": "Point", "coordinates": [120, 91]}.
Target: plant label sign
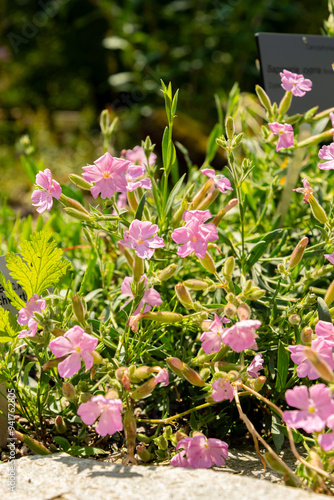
{"type": "Point", "coordinates": [309, 55]}
{"type": "Point", "coordinates": [4, 300]}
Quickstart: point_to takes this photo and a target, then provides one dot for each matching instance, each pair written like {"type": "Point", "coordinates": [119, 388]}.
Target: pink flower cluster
{"type": "Point", "coordinates": [43, 198]}
{"type": "Point", "coordinates": [142, 238]}
{"type": "Point", "coordinates": [297, 84]}
{"type": "Point", "coordinates": [150, 299]}
{"type": "Point", "coordinates": [323, 345]}
{"type": "Point", "coordinates": [109, 412]}
{"type": "Point", "coordinates": [198, 452]}
{"type": "Point", "coordinates": [238, 337]}
{"type": "Point", "coordinates": [26, 316]}
{"type": "Point", "coordinates": [222, 183]}
{"type": "Point", "coordinates": [195, 235]}
{"type": "Point", "coordinates": [77, 345]}
{"type": "Point", "coordinates": [285, 134]}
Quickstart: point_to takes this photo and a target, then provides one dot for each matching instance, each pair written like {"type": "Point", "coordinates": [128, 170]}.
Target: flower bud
{"type": "Point", "coordinates": [231, 204]}
{"type": "Point", "coordinates": [263, 98]}
{"type": "Point", "coordinates": [244, 312]}
{"type": "Point", "coordinates": [71, 203]}
{"type": "Point", "coordinates": [196, 284]}
{"type": "Point", "coordinates": [257, 383]}
{"type": "Point", "coordinates": [317, 210]}
{"type": "Point", "coordinates": [274, 463]}
{"type": "Point", "coordinates": [126, 253]}
{"type": "Point", "coordinates": [34, 445]}
{"type": "Point", "coordinates": [256, 294]}
{"type": "Point", "coordinates": [57, 332]}
{"type": "Point", "coordinates": [329, 297]}
{"type": "Point", "coordinates": [208, 263]}
{"type": "Point", "coordinates": [199, 197]}
{"type": "Point", "coordinates": [320, 366]}
{"type": "Point", "coordinates": [205, 373]}
{"type": "Point", "coordinates": [144, 390]}
{"type": "Point", "coordinates": [180, 435]}
{"type": "Point", "coordinates": [138, 268]}
{"type": "Point", "coordinates": [98, 359]}
{"type": "Point", "coordinates": [237, 140]}
{"type": "Point", "coordinates": [228, 268]}
{"type": "Point", "coordinates": [112, 394]}
{"type": "Point", "coordinates": [181, 369]}
{"type": "Point", "coordinates": [105, 122]}
{"type": "Point", "coordinates": [285, 103]}
{"type": "Point", "coordinates": [77, 214]}
{"type": "Point", "coordinates": [229, 127]}
{"type": "Point", "coordinates": [161, 442]}
{"type": "Point", "coordinates": [137, 375]}
{"type": "Point", "coordinates": [68, 391]}
{"type": "Point", "coordinates": [315, 139]}
{"type": "Point", "coordinates": [78, 181]}
{"type": "Point", "coordinates": [294, 319]}
{"type": "Point", "coordinates": [85, 397]}
{"type": "Point", "coordinates": [52, 363]}
{"type": "Point", "coordinates": [230, 310]}
{"type": "Point", "coordinates": [184, 296]}
{"type": "Point", "coordinates": [132, 200]}
{"type": "Point", "coordinates": [60, 425]}
{"type": "Point", "coordinates": [178, 214]}
{"type": "Point", "coordinates": [210, 198]}
{"type": "Point", "coordinates": [167, 273]}
{"type": "Point", "coordinates": [147, 146]}
{"type": "Point", "coordinates": [163, 317]}
{"type": "Point", "coordinates": [79, 308]}
{"type": "Point", "coordinates": [143, 453]}
{"type": "Point", "coordinates": [298, 253]}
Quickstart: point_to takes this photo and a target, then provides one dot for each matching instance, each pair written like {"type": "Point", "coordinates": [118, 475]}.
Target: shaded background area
{"type": "Point", "coordinates": [63, 61]}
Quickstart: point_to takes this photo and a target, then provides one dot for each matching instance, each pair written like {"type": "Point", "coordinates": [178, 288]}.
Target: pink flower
{"type": "Point", "coordinates": [327, 153]}
{"type": "Point", "coordinates": [79, 345]}
{"type": "Point", "coordinates": [141, 236]}
{"type": "Point", "coordinates": [222, 389]}
{"type": "Point", "coordinates": [162, 377]}
{"type": "Point", "coordinates": [34, 304]}
{"type": "Point", "coordinates": [330, 257]}
{"type": "Point", "coordinates": [150, 299]}
{"type": "Point", "coordinates": [212, 340]}
{"type": "Point", "coordinates": [222, 183]}
{"type": "Point", "coordinates": [241, 335]}
{"type": "Point", "coordinates": [135, 178]}
{"type": "Point", "coordinates": [296, 83]}
{"type": "Point", "coordinates": [331, 116]}
{"type": "Point", "coordinates": [255, 366]}
{"type": "Point", "coordinates": [42, 198]}
{"type": "Point", "coordinates": [108, 173]}
{"type": "Point", "coordinates": [195, 235]}
{"type": "Point", "coordinates": [306, 190]}
{"type": "Point", "coordinates": [322, 346]}
{"type": "Point", "coordinates": [200, 453]}
{"type": "Point", "coordinates": [315, 406]}
{"type": "Point", "coordinates": [109, 411]}
{"type": "Point", "coordinates": [137, 156]}
{"type": "Point", "coordinates": [285, 133]}
{"type": "Point", "coordinates": [325, 329]}
{"type": "Point", "coordinates": [327, 440]}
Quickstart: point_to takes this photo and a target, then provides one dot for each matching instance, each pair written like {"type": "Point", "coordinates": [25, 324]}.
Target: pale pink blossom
{"type": "Point", "coordinates": [199, 452]}
{"type": "Point", "coordinates": [108, 174]}
{"type": "Point", "coordinates": [255, 366]}
{"type": "Point", "coordinates": [222, 389]}
{"type": "Point", "coordinates": [306, 190]}
{"type": "Point", "coordinates": [296, 83]}
{"type": "Point", "coordinates": [26, 316]}
{"type": "Point", "coordinates": [78, 345]}
{"type": "Point", "coordinates": [212, 340]}
{"type": "Point", "coordinates": [330, 257]}
{"type": "Point", "coordinates": [162, 377]}
{"type": "Point", "coordinates": [135, 176]}
{"type": "Point", "coordinates": [325, 329]}
{"type": "Point", "coordinates": [324, 349]}
{"type": "Point", "coordinates": [137, 156]}
{"type": "Point", "coordinates": [195, 235]}
{"type": "Point", "coordinates": [141, 236]}
{"type": "Point", "coordinates": [315, 406]}
{"type": "Point", "coordinates": [150, 299]}
{"type": "Point", "coordinates": [109, 411]}
{"type": "Point", "coordinates": [326, 441]}
{"type": "Point", "coordinates": [285, 134]}
{"type": "Point", "coordinates": [327, 153]}
{"type": "Point", "coordinates": [43, 198]}
{"type": "Point", "coordinates": [222, 182]}
{"type": "Point", "coordinates": [241, 335]}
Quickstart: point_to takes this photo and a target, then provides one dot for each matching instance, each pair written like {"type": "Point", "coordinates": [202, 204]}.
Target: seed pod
{"type": "Point", "coordinates": [138, 268]}
{"type": "Point", "coordinates": [196, 284]}
{"type": "Point", "coordinates": [34, 445]}
{"type": "Point", "coordinates": [184, 296]}
{"type": "Point", "coordinates": [298, 253]}
{"type": "Point", "coordinates": [68, 391]}
{"type": "Point", "coordinates": [144, 390]}
{"type": "Point", "coordinates": [208, 263]}
{"type": "Point", "coordinates": [167, 273]}
{"type": "Point", "coordinates": [77, 214]}
{"type": "Point", "coordinates": [163, 317]}
{"type": "Point", "coordinates": [317, 210]}
{"type": "Point", "coordinates": [60, 425]}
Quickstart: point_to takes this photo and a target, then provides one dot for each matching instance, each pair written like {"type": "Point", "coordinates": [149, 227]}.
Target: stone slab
{"type": "Point", "coordinates": [62, 477]}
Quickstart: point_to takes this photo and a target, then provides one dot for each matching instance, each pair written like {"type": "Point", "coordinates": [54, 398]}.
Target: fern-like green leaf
{"type": "Point", "coordinates": [9, 327]}
{"type": "Point", "coordinates": [40, 264]}
{"type": "Point", "coordinates": [15, 300]}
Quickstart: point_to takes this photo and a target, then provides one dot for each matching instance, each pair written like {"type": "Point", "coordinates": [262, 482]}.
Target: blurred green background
{"type": "Point", "coordinates": [63, 61]}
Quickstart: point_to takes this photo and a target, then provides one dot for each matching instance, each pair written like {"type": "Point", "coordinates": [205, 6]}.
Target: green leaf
{"type": "Point", "coordinates": [63, 443]}
{"type": "Point", "coordinates": [9, 327]}
{"type": "Point", "coordinates": [139, 212]}
{"type": "Point", "coordinates": [282, 366]}
{"type": "Point", "coordinates": [11, 295]}
{"type": "Point", "coordinates": [165, 148]}
{"type": "Point", "coordinates": [276, 432]}
{"type": "Point", "coordinates": [173, 193]}
{"type": "Point", "coordinates": [297, 437]}
{"type": "Point", "coordinates": [85, 451]}
{"type": "Point", "coordinates": [323, 311]}
{"type": "Point", "coordinates": [212, 145]}
{"type": "Point", "coordinates": [259, 249]}
{"type": "Point", "coordinates": [42, 264]}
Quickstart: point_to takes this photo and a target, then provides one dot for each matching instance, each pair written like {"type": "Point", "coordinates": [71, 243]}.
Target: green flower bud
{"type": "Point", "coordinates": [167, 273]}
{"type": "Point", "coordinates": [143, 453]}
{"type": "Point", "coordinates": [133, 202]}
{"type": "Point", "coordinates": [77, 214]}
{"type": "Point", "coordinates": [68, 391]}
{"type": "Point", "coordinates": [263, 98]}
{"type": "Point", "coordinates": [161, 442]}
{"type": "Point", "coordinates": [144, 390]}
{"type": "Point", "coordinates": [285, 103]}
{"type": "Point", "coordinates": [184, 296]}
{"type": "Point", "coordinates": [60, 425]}
{"type": "Point", "coordinates": [79, 308]}
{"type": "Point", "coordinates": [199, 197]}
{"type": "Point", "coordinates": [78, 181]}
{"type": "Point", "coordinates": [138, 268]}
{"type": "Point", "coordinates": [229, 127]}
{"type": "Point", "coordinates": [210, 198]}
{"type": "Point", "coordinates": [228, 268]}
{"type": "Point", "coordinates": [317, 210]}
{"type": "Point", "coordinates": [208, 263]}
{"type": "Point", "coordinates": [34, 445]}
{"type": "Point", "coordinates": [163, 317]}
{"type": "Point", "coordinates": [183, 370]}
{"type": "Point", "coordinates": [306, 335]}
{"type": "Point", "coordinates": [298, 253]}
{"type": "Point", "coordinates": [329, 297]}
{"type": "Point", "coordinates": [196, 284]}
